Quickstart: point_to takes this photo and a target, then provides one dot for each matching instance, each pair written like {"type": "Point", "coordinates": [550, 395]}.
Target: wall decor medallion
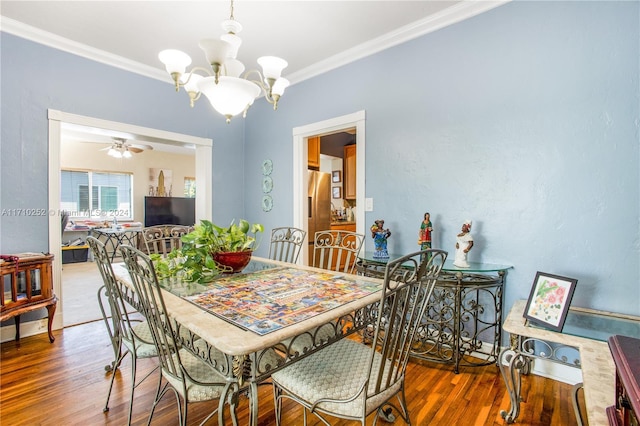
{"type": "Point", "coordinates": [267, 203]}
{"type": "Point", "coordinates": [267, 184]}
{"type": "Point", "coordinates": [267, 167]}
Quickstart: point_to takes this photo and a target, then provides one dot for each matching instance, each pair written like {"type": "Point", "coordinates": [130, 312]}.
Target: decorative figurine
{"type": "Point", "coordinates": [424, 236]}
{"type": "Point", "coordinates": [464, 242]}
{"type": "Point", "coordinates": [380, 235]}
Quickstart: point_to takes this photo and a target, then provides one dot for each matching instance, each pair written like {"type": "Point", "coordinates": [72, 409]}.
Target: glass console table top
{"type": "Point", "coordinates": [597, 326]}
{"type": "Point", "coordinates": [475, 267]}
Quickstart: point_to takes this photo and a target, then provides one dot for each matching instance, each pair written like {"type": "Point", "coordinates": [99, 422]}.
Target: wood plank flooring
{"type": "Point", "coordinates": [65, 383]}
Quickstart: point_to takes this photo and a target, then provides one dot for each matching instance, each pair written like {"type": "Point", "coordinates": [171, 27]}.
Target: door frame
{"type": "Point", "coordinates": [301, 178]}
{"type": "Point", "coordinates": [203, 163]}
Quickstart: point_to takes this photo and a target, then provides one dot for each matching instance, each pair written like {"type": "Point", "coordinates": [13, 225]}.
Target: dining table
{"type": "Point", "coordinates": [266, 317]}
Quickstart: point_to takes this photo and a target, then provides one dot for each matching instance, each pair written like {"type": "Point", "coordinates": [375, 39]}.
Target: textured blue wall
{"type": "Point", "coordinates": [524, 119]}
{"type": "Point", "coordinates": [36, 78]}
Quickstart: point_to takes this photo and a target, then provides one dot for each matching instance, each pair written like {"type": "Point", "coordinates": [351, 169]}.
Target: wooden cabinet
{"type": "Point", "coordinates": [314, 152]}
{"type": "Point", "coordinates": [349, 171]}
{"type": "Point", "coordinates": [626, 411]}
{"type": "Point", "coordinates": [27, 285]}
{"type": "Point", "coordinates": [351, 226]}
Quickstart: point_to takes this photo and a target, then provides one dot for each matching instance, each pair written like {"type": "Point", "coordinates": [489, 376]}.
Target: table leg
{"type": "Point", "coordinates": [16, 319]}
{"type": "Point", "coordinates": [253, 404]}
{"type": "Point", "coordinates": [511, 364]}
{"type": "Point", "coordinates": [576, 404]}
{"type": "Point", "coordinates": [51, 310]}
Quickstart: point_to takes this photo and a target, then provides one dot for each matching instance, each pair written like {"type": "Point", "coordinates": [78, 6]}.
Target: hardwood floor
{"type": "Point", "coordinates": [65, 383]}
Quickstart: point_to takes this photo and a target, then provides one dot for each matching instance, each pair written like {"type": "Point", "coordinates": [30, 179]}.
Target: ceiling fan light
{"type": "Point", "coordinates": [175, 61]}
{"type": "Point", "coordinates": [272, 66]}
{"type": "Point", "coordinates": [114, 153]}
{"type": "Point", "coordinates": [126, 153]}
{"type": "Point", "coordinates": [230, 96]}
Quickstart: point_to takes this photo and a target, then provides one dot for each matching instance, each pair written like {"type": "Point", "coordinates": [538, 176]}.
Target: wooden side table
{"type": "Point", "coordinates": [27, 285]}
{"type": "Point", "coordinates": [626, 356]}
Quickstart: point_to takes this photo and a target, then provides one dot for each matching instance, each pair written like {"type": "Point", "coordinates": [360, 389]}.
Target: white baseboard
{"type": "Point", "coordinates": [555, 371]}
{"type": "Point", "coordinates": [545, 368]}
{"type": "Point", "coordinates": [31, 328]}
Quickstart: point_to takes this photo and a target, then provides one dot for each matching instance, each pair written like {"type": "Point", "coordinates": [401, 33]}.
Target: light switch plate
{"type": "Point", "coordinates": [368, 204]}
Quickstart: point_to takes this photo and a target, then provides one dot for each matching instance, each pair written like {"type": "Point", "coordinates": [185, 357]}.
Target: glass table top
{"type": "Point", "coordinates": [448, 264]}
{"type": "Point", "coordinates": [598, 326]}
{"type": "Point", "coordinates": [183, 288]}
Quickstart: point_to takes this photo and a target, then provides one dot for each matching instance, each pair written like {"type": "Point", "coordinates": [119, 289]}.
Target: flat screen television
{"type": "Point", "coordinates": [169, 211]}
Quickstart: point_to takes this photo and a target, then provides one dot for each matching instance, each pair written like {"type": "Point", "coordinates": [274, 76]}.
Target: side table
{"type": "Point", "coordinates": [463, 322]}
{"type": "Point", "coordinates": [582, 344]}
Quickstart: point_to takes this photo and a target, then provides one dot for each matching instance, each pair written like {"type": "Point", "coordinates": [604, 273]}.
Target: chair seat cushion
{"type": "Point", "coordinates": [144, 346]}
{"type": "Point", "coordinates": [338, 371]}
{"type": "Point", "coordinates": [212, 380]}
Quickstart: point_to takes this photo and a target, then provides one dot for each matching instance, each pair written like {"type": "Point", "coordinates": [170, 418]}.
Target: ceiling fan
{"type": "Point", "coordinates": [121, 148]}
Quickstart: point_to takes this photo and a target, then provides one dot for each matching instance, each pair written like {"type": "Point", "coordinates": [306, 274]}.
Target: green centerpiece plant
{"type": "Point", "coordinates": [204, 251]}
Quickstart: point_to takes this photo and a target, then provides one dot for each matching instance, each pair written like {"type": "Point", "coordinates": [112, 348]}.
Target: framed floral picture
{"type": "Point", "coordinates": [549, 300]}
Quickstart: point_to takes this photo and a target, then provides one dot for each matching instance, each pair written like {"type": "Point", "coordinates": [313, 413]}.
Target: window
{"type": "Point", "coordinates": [190, 187]}
{"type": "Point", "coordinates": [96, 195]}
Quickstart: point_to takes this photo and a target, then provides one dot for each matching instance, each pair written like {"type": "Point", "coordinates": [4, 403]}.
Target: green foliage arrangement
{"type": "Point", "coordinates": [193, 262]}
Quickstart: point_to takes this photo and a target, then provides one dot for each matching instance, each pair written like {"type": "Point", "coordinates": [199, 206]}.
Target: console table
{"type": "Point", "coordinates": [27, 285]}
{"type": "Point", "coordinates": [582, 343]}
{"type": "Point", "coordinates": [462, 324]}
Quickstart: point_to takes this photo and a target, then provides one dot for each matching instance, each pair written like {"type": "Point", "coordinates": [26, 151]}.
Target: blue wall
{"type": "Point", "coordinates": [36, 78]}
{"type": "Point", "coordinates": [524, 119]}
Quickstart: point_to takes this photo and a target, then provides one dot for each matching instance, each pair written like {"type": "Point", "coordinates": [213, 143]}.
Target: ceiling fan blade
{"type": "Point", "coordinates": [135, 150]}
{"type": "Point", "coordinates": [140, 146]}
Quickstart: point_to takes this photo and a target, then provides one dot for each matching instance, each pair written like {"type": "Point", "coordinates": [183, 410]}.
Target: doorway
{"type": "Point", "coordinates": [301, 179]}
{"type": "Point", "coordinates": [58, 121]}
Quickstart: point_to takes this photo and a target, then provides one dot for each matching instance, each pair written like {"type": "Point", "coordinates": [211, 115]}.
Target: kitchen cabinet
{"type": "Point", "coordinates": [349, 171]}
{"type": "Point", "coordinates": [349, 226]}
{"type": "Point", "coordinates": [313, 160]}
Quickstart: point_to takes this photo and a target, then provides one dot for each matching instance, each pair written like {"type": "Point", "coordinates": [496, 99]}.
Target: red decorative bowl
{"type": "Point", "coordinates": [236, 261]}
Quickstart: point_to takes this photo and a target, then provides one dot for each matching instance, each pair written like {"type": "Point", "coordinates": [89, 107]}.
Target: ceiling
{"type": "Point", "coordinates": [313, 36]}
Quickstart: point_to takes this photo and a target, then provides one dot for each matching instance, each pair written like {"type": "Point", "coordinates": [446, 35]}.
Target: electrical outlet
{"type": "Point", "coordinates": [368, 204]}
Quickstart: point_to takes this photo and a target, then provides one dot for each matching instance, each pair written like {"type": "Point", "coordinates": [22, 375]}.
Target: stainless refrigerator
{"type": "Point", "coordinates": [319, 206]}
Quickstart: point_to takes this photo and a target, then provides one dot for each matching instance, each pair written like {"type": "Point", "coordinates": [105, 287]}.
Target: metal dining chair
{"type": "Point", "coordinates": [162, 239]}
{"type": "Point", "coordinates": [352, 380]}
{"type": "Point", "coordinates": [286, 243]}
{"type": "Point", "coordinates": [337, 250]}
{"type": "Point", "coordinates": [188, 376]}
{"type": "Point", "coordinates": [127, 335]}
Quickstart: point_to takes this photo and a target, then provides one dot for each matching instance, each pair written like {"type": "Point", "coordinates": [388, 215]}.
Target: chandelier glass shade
{"type": "Point", "coordinates": [229, 91]}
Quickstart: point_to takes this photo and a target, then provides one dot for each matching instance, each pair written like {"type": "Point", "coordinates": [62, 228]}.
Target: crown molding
{"type": "Point", "coordinates": [48, 39]}
{"type": "Point", "coordinates": [458, 12]}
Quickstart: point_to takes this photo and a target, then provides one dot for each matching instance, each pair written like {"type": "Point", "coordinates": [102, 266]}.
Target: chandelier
{"type": "Point", "coordinates": [229, 92]}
